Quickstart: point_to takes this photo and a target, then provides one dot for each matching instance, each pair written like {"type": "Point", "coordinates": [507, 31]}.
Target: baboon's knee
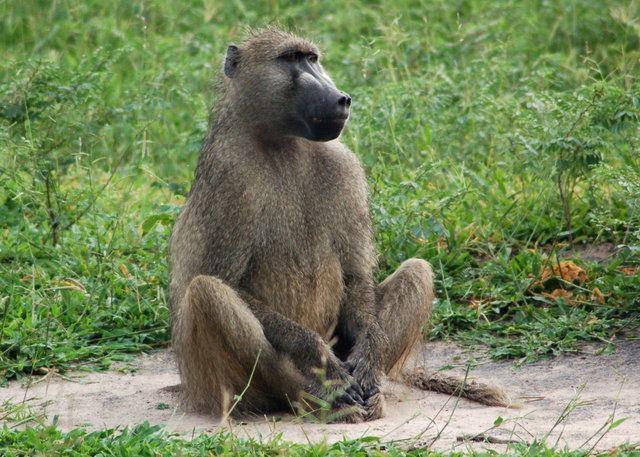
{"type": "Point", "coordinates": [203, 292]}
{"type": "Point", "coordinates": [405, 304]}
{"type": "Point", "coordinates": [218, 341]}
{"type": "Point", "coordinates": [419, 269]}
{"type": "Point", "coordinates": [419, 274]}
{"type": "Point", "coordinates": [219, 310]}
{"type": "Point", "coordinates": [411, 285]}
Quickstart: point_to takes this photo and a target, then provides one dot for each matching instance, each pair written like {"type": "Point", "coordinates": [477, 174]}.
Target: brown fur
{"type": "Point", "coordinates": [272, 260]}
{"type": "Point", "coordinates": [471, 389]}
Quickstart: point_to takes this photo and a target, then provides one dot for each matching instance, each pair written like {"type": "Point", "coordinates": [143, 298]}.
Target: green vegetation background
{"type": "Point", "coordinates": [494, 134]}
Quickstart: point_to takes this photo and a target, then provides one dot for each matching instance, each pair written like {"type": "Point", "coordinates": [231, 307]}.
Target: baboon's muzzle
{"type": "Point", "coordinates": [326, 124]}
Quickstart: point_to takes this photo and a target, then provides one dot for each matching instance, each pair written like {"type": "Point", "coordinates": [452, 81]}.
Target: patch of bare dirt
{"type": "Point", "coordinates": [589, 252]}
{"type": "Point", "coordinates": [602, 387]}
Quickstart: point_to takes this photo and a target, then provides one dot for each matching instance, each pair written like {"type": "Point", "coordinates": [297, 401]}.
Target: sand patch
{"type": "Point", "coordinates": [609, 384]}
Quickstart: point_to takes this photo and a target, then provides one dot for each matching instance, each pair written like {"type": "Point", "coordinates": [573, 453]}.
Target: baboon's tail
{"type": "Point", "coordinates": [472, 390]}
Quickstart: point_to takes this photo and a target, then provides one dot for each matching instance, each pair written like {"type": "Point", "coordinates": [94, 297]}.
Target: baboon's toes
{"type": "Point", "coordinates": [374, 407]}
{"type": "Point", "coordinates": [372, 392]}
{"type": "Point", "coordinates": [349, 418]}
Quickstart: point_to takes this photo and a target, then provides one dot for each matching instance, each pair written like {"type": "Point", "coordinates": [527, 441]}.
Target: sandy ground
{"type": "Point", "coordinates": [599, 385]}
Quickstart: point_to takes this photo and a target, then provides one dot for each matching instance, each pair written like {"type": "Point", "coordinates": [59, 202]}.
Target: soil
{"type": "Point", "coordinates": [593, 387]}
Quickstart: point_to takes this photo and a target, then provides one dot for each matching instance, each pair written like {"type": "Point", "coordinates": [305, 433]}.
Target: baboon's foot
{"type": "Point", "coordinates": [348, 416]}
{"type": "Point", "coordinates": [374, 407]}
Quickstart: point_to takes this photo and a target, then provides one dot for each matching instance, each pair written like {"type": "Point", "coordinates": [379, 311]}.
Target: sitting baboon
{"type": "Point", "coordinates": [272, 257]}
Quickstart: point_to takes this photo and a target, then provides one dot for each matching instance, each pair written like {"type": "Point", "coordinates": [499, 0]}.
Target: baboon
{"type": "Point", "coordinates": [272, 257]}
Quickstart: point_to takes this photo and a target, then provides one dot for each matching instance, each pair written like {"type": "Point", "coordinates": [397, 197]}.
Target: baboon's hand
{"type": "Point", "coordinates": [353, 395]}
{"type": "Point", "coordinates": [364, 376]}
{"type": "Point", "coordinates": [370, 384]}
{"type": "Point", "coordinates": [347, 391]}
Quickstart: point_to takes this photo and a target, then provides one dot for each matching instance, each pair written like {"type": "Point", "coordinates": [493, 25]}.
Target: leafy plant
{"type": "Point", "coordinates": [54, 118]}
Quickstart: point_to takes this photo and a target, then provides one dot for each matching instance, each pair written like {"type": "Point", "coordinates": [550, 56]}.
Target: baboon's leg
{"type": "Point", "coordinates": [404, 301]}
{"type": "Point", "coordinates": [217, 340]}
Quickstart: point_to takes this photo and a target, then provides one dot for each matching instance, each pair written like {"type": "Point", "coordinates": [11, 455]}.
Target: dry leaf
{"type": "Point", "coordinates": [478, 303]}
{"type": "Point", "coordinates": [74, 284]}
{"type": "Point", "coordinates": [30, 277]}
{"type": "Point", "coordinates": [565, 295]}
{"type": "Point", "coordinates": [419, 240]}
{"type": "Point", "coordinates": [125, 271]}
{"type": "Point", "coordinates": [630, 271]}
{"type": "Point", "coordinates": [558, 293]}
{"type": "Point", "coordinates": [598, 296]}
{"type": "Point", "coordinates": [566, 270]}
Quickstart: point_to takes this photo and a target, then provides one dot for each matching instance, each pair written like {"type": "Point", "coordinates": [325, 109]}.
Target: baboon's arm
{"type": "Point", "coordinates": [308, 352]}
{"type": "Point", "coordinates": [360, 322]}
{"type": "Point", "coordinates": [303, 346]}
{"type": "Point", "coordinates": [358, 316]}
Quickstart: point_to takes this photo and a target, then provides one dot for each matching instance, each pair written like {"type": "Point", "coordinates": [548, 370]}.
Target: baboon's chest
{"type": "Point", "coordinates": [309, 294]}
{"type": "Point", "coordinates": [295, 268]}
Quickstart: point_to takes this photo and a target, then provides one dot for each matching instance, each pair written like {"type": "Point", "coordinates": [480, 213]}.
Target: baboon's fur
{"type": "Point", "coordinates": [272, 259]}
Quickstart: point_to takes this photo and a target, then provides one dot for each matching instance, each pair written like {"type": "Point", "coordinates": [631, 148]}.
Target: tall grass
{"type": "Point", "coordinates": [495, 135]}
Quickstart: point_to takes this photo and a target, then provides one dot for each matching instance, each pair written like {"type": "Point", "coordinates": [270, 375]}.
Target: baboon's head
{"type": "Point", "coordinates": [279, 88]}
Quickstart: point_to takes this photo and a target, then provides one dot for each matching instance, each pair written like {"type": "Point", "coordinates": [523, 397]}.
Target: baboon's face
{"type": "Point", "coordinates": [287, 92]}
{"type": "Point", "coordinates": [319, 110]}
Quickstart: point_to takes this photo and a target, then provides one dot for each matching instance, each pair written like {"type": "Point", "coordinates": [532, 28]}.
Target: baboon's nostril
{"type": "Point", "coordinates": [345, 100]}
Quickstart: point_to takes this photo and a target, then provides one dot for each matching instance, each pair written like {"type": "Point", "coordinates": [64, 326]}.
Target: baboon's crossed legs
{"type": "Point", "coordinates": [213, 315]}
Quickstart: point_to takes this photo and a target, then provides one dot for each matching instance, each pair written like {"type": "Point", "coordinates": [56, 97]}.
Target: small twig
{"type": "Point", "coordinates": [484, 438]}
{"type": "Point", "coordinates": [596, 95]}
{"type": "Point", "coordinates": [573, 404]}
{"type": "Point", "coordinates": [6, 300]}
{"type": "Point", "coordinates": [52, 215]}
{"type": "Point", "coordinates": [609, 423]}
{"type": "Point", "coordinates": [566, 207]}
{"type": "Point", "coordinates": [455, 407]}
{"type": "Point", "coordinates": [566, 199]}
{"type": "Point", "coordinates": [401, 424]}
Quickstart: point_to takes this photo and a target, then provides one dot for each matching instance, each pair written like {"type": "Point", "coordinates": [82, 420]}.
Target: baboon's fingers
{"type": "Point", "coordinates": [349, 397]}
{"type": "Point", "coordinates": [355, 390]}
{"type": "Point", "coordinates": [350, 388]}
{"type": "Point", "coordinates": [374, 390]}
{"type": "Point", "coordinates": [344, 399]}
{"type": "Point", "coordinates": [356, 394]}
{"type": "Point", "coordinates": [373, 407]}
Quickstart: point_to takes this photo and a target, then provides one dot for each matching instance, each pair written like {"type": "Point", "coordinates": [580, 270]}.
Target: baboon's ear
{"type": "Point", "coordinates": [231, 60]}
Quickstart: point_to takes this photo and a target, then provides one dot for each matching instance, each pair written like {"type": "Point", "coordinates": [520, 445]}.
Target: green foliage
{"type": "Point", "coordinates": [55, 117]}
{"type": "Point", "coordinates": [495, 135]}
{"type": "Point", "coordinates": [146, 440]}
{"type": "Point", "coordinates": [73, 273]}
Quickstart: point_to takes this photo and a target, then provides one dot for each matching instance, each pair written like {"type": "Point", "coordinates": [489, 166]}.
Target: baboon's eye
{"type": "Point", "coordinates": [313, 58]}
{"type": "Point", "coordinates": [293, 56]}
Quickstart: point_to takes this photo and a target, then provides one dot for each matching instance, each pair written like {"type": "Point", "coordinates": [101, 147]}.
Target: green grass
{"type": "Point", "coordinates": [145, 440]}
{"type": "Point", "coordinates": [494, 135]}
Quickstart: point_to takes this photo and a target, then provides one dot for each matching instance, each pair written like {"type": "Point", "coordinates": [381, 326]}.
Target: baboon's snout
{"type": "Point", "coordinates": [343, 106]}
{"type": "Point", "coordinates": [328, 116]}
